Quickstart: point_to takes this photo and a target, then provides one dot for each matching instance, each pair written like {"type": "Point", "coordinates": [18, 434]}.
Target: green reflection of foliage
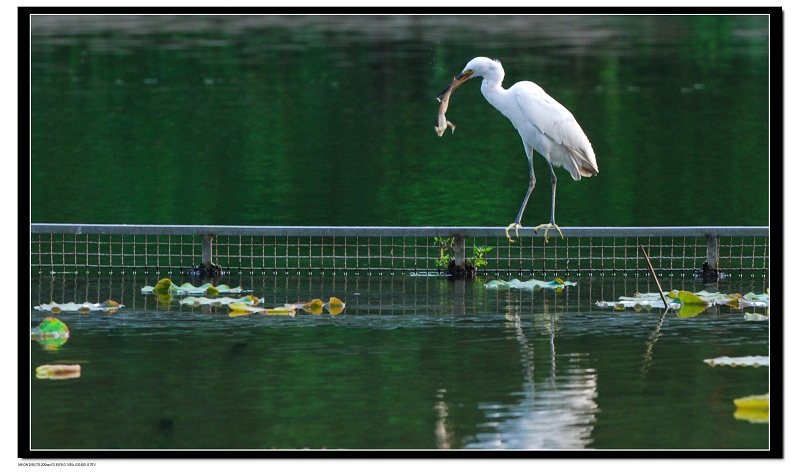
{"type": "Point", "coordinates": [286, 110]}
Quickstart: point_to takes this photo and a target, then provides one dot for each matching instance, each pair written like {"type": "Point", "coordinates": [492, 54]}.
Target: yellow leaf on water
{"type": "Point", "coordinates": [753, 402]}
{"type": "Point", "coordinates": [314, 304]}
{"type": "Point", "coordinates": [281, 310]}
{"type": "Point", "coordinates": [335, 310]}
{"type": "Point", "coordinates": [243, 306]}
{"type": "Point", "coordinates": [335, 302]}
{"type": "Point", "coordinates": [335, 306]}
{"type": "Point", "coordinates": [752, 415]}
{"type": "Point", "coordinates": [163, 285]}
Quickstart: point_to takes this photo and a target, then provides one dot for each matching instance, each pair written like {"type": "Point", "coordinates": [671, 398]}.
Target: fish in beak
{"type": "Point", "coordinates": [457, 81]}
{"type": "Point", "coordinates": [444, 97]}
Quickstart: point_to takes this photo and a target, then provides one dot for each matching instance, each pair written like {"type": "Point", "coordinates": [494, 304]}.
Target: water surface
{"type": "Point", "coordinates": [411, 363]}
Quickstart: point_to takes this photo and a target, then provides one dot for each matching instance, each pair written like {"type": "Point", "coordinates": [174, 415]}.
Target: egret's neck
{"type": "Point", "coordinates": [492, 89]}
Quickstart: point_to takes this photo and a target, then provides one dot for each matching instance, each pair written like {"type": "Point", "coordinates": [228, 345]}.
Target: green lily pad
{"type": "Point", "coordinates": [239, 309]}
{"type": "Point", "coordinates": [682, 300]}
{"type": "Point", "coordinates": [691, 309]}
{"type": "Point", "coordinates": [108, 306]}
{"type": "Point", "coordinates": [51, 333]}
{"type": "Point", "coordinates": [689, 298]}
{"type": "Point", "coordinates": [166, 286]}
{"type": "Point", "coordinates": [196, 301]}
{"type": "Point", "coordinates": [51, 327]}
{"type": "Point", "coordinates": [529, 284]}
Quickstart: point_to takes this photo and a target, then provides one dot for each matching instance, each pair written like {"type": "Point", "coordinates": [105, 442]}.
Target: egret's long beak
{"type": "Point", "coordinates": [457, 81]}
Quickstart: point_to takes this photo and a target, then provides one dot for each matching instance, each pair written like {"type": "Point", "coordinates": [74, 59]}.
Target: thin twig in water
{"type": "Point", "coordinates": [653, 273]}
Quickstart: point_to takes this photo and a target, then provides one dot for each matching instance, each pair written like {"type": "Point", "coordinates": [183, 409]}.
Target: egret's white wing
{"type": "Point", "coordinates": [557, 123]}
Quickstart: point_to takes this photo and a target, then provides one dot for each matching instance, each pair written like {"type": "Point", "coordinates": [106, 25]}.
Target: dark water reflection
{"type": "Point", "coordinates": [412, 362]}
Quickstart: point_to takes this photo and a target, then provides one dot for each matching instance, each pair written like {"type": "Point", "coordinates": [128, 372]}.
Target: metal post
{"type": "Point", "coordinates": [459, 249]}
{"type": "Point", "coordinates": [712, 251]}
{"type": "Point", "coordinates": [207, 249]}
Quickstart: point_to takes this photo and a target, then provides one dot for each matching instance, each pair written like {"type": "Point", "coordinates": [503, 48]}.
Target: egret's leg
{"type": "Point", "coordinates": [516, 224]}
{"type": "Point", "coordinates": [552, 223]}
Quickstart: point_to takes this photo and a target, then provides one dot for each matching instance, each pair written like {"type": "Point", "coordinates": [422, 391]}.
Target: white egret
{"type": "Point", "coordinates": [544, 125]}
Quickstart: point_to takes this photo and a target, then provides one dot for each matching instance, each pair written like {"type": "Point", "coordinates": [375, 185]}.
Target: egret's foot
{"type": "Point", "coordinates": [515, 226]}
{"type": "Point", "coordinates": [547, 227]}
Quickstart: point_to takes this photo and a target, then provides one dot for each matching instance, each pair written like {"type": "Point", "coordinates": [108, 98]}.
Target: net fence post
{"type": "Point", "coordinates": [712, 251]}
{"type": "Point", "coordinates": [460, 250]}
{"type": "Point", "coordinates": [207, 249]}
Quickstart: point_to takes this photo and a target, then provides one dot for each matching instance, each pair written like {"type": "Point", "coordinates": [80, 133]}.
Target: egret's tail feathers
{"type": "Point", "coordinates": [588, 172]}
{"type": "Point", "coordinates": [583, 163]}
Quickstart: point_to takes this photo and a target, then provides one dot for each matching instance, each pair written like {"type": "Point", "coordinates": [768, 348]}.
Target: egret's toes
{"type": "Point", "coordinates": [516, 227]}
{"type": "Point", "coordinates": [547, 227]}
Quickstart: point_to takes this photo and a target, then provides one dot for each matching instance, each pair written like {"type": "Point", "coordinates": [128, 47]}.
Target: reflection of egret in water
{"type": "Point", "coordinates": [556, 413]}
{"type": "Point", "coordinates": [444, 435]}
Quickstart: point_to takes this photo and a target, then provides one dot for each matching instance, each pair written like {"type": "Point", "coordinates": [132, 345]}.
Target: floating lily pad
{"type": "Point", "coordinates": [51, 327]}
{"type": "Point", "coordinates": [335, 306]}
{"type": "Point", "coordinates": [315, 306]}
{"type": "Point", "coordinates": [240, 309]}
{"type": "Point", "coordinates": [639, 301]}
{"type": "Point", "coordinates": [753, 402]}
{"type": "Point", "coordinates": [754, 300]}
{"type": "Point", "coordinates": [747, 361]}
{"type": "Point", "coordinates": [689, 298]}
{"type": "Point", "coordinates": [686, 303]}
{"type": "Point", "coordinates": [166, 286]}
{"type": "Point", "coordinates": [51, 333]}
{"type": "Point", "coordinates": [109, 306]}
{"type": "Point", "coordinates": [755, 317]}
{"type": "Point", "coordinates": [529, 284]}
{"type": "Point", "coordinates": [335, 302]}
{"type": "Point", "coordinates": [753, 408]}
{"type": "Point", "coordinates": [196, 301]}
{"type": "Point", "coordinates": [752, 415]}
{"type": "Point", "coordinates": [58, 371]}
{"type": "Point", "coordinates": [691, 309]}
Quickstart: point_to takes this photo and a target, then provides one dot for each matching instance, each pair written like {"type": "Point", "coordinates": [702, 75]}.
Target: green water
{"type": "Point", "coordinates": [329, 120]}
{"type": "Point", "coordinates": [411, 363]}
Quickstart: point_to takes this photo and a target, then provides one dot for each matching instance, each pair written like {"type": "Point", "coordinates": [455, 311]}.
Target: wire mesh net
{"type": "Point", "coordinates": [671, 255]}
